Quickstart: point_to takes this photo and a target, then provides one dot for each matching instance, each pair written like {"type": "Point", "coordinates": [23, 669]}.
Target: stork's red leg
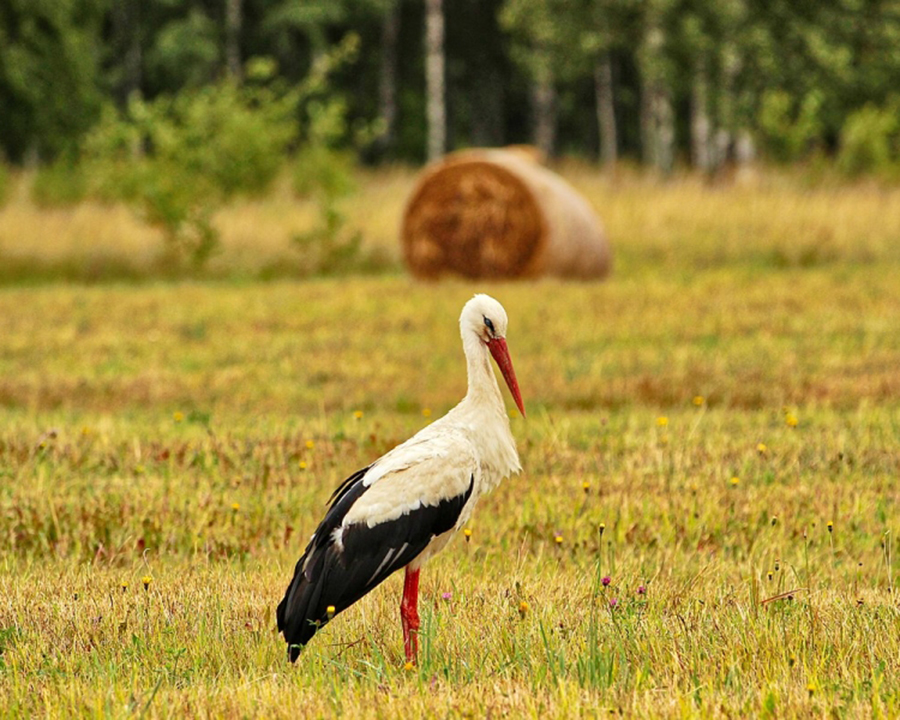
{"type": "Point", "coordinates": [409, 614]}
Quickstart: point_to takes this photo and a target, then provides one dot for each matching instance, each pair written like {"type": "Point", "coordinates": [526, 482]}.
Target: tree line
{"type": "Point", "coordinates": [663, 82]}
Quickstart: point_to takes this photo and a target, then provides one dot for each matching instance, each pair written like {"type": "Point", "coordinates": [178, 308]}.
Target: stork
{"type": "Point", "coordinates": [404, 508]}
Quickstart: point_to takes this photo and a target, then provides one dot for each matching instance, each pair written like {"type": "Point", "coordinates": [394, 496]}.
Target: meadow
{"type": "Point", "coordinates": [706, 524]}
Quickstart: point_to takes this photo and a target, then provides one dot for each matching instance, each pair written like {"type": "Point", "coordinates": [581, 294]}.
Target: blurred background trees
{"type": "Point", "coordinates": [663, 82]}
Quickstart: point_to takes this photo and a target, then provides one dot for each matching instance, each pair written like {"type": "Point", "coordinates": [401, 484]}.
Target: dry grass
{"type": "Point", "coordinates": [760, 220]}
{"type": "Point", "coordinates": [191, 432]}
{"type": "Point", "coordinates": [823, 337]}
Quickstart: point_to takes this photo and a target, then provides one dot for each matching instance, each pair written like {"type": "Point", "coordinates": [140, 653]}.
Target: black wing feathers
{"type": "Point", "coordinates": [345, 486]}
{"type": "Point", "coordinates": [341, 501]}
{"type": "Point", "coordinates": [339, 577]}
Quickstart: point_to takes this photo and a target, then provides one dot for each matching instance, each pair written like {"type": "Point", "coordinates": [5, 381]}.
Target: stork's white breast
{"type": "Point", "coordinates": [422, 471]}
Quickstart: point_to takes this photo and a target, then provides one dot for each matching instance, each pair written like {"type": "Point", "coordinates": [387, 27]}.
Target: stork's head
{"type": "Point", "coordinates": [484, 319]}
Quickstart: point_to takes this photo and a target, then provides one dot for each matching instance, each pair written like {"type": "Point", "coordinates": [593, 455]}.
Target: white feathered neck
{"type": "Point", "coordinates": [482, 409]}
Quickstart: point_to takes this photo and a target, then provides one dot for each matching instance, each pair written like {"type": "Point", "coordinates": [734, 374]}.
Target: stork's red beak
{"type": "Point", "coordinates": [498, 349]}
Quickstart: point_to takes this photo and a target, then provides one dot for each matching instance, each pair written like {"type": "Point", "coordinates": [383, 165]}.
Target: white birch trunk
{"type": "Point", "coordinates": [648, 126]}
{"type": "Point", "coordinates": [434, 77]}
{"type": "Point", "coordinates": [727, 110]}
{"type": "Point", "coordinates": [134, 58]}
{"type": "Point", "coordinates": [656, 111]}
{"type": "Point", "coordinates": [700, 123]}
{"type": "Point", "coordinates": [543, 101]}
{"type": "Point", "coordinates": [387, 84]}
{"type": "Point", "coordinates": [606, 115]}
{"type": "Point", "coordinates": [665, 128]}
{"type": "Point", "coordinates": [233, 23]}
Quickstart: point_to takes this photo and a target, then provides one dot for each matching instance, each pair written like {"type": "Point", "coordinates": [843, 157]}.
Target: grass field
{"type": "Point", "coordinates": [764, 220]}
{"type": "Point", "coordinates": [716, 429]}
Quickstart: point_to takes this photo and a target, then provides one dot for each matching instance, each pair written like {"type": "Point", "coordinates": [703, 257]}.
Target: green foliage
{"type": "Point", "coordinates": [789, 73]}
{"type": "Point", "coordinates": [870, 141]}
{"type": "Point", "coordinates": [49, 92]}
{"type": "Point", "coordinates": [311, 18]}
{"type": "Point", "coordinates": [330, 248]}
{"type": "Point", "coordinates": [324, 174]}
{"type": "Point", "coordinates": [178, 159]}
{"type": "Point", "coordinates": [4, 181]}
{"type": "Point", "coordinates": [321, 172]}
{"type": "Point", "coordinates": [60, 183]}
{"type": "Point", "coordinates": [62, 60]}
{"type": "Point", "coordinates": [790, 131]}
{"type": "Point", "coordinates": [234, 137]}
{"type": "Point", "coordinates": [185, 51]}
{"type": "Point", "coordinates": [231, 138]}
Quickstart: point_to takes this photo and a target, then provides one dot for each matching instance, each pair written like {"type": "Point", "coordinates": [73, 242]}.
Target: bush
{"type": "Point", "coordinates": [234, 137]}
{"type": "Point", "coordinates": [60, 184]}
{"type": "Point", "coordinates": [325, 176]}
{"type": "Point", "coordinates": [177, 159]}
{"type": "Point", "coordinates": [790, 131]}
{"type": "Point", "coordinates": [323, 173]}
{"type": "Point", "coordinates": [870, 141]}
{"type": "Point", "coordinates": [4, 181]}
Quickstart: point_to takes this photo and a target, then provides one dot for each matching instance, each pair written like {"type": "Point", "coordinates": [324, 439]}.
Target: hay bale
{"type": "Point", "coordinates": [499, 214]}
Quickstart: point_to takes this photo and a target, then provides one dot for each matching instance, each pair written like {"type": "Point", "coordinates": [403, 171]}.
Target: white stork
{"type": "Point", "coordinates": [404, 507]}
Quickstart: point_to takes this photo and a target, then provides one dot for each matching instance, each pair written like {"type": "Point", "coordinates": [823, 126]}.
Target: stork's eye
{"type": "Point", "coordinates": [489, 325]}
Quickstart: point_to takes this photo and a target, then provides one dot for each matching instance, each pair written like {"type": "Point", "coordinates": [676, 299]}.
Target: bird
{"type": "Point", "coordinates": [405, 507]}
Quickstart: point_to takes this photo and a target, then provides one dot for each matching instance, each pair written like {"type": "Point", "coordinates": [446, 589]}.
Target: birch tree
{"type": "Point", "coordinates": [436, 111]}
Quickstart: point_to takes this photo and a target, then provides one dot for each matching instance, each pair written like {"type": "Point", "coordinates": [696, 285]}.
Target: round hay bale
{"type": "Point", "coordinates": [499, 214]}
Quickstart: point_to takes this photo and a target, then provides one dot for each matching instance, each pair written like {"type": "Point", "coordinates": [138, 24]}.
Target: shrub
{"type": "Point", "coordinates": [59, 184]}
{"type": "Point", "coordinates": [789, 131]}
{"type": "Point", "coordinates": [324, 174]}
{"type": "Point", "coordinates": [177, 159]}
{"type": "Point", "coordinates": [320, 172]}
{"type": "Point", "coordinates": [4, 181]}
{"type": "Point", "coordinates": [870, 141]}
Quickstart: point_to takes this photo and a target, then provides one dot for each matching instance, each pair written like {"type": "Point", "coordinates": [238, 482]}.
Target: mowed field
{"type": "Point", "coordinates": [706, 524]}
